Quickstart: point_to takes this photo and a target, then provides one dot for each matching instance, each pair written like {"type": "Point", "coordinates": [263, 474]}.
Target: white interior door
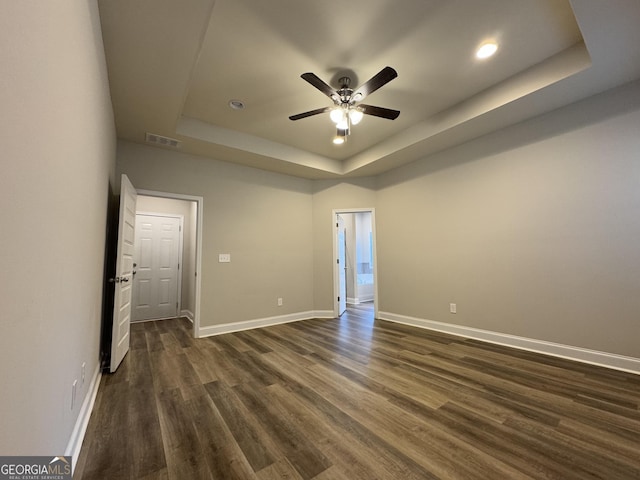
{"type": "Point", "coordinates": [157, 260]}
{"type": "Point", "coordinates": [341, 265]}
{"type": "Point", "coordinates": [124, 273]}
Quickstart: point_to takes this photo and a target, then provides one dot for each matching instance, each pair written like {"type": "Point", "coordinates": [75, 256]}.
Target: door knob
{"type": "Point", "coordinates": [118, 279]}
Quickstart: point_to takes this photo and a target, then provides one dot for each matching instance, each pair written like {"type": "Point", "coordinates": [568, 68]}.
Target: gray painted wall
{"type": "Point", "coordinates": [262, 219]}
{"type": "Point", "coordinates": [532, 231]}
{"type": "Point", "coordinates": [57, 160]}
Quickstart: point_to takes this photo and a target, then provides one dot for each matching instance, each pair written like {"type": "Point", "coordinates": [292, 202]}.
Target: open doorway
{"type": "Point", "coordinates": [119, 269]}
{"type": "Point", "coordinates": [177, 290]}
{"type": "Point", "coordinates": [355, 275]}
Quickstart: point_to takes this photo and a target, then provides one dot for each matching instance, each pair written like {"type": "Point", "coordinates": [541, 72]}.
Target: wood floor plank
{"type": "Point", "coordinates": [299, 450]}
{"type": "Point", "coordinates": [387, 461]}
{"type": "Point", "coordinates": [343, 450]}
{"type": "Point", "coordinates": [109, 458]}
{"type": "Point", "coordinates": [603, 440]}
{"type": "Point", "coordinates": [587, 459]}
{"type": "Point", "coordinates": [400, 428]}
{"type": "Point", "coordinates": [249, 338]}
{"type": "Point", "coordinates": [248, 434]}
{"type": "Point", "coordinates": [502, 442]}
{"type": "Point", "coordinates": [159, 475]}
{"type": "Point", "coordinates": [170, 343]}
{"type": "Point", "coordinates": [152, 337]}
{"type": "Point", "coordinates": [355, 398]}
{"type": "Point", "coordinates": [199, 361]}
{"type": "Point", "coordinates": [351, 448]}
{"type": "Point", "coordinates": [279, 470]}
{"type": "Point", "coordinates": [144, 434]}
{"type": "Point", "coordinates": [220, 449]}
{"type": "Point", "coordinates": [181, 442]}
{"type": "Point", "coordinates": [184, 335]}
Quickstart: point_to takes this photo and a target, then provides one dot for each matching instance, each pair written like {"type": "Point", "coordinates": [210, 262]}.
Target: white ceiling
{"type": "Point", "coordinates": [175, 64]}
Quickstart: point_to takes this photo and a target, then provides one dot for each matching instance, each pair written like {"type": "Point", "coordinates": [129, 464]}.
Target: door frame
{"type": "Point", "coordinates": [341, 266]}
{"type": "Point", "coordinates": [180, 259]}
{"type": "Point", "coordinates": [199, 205]}
{"type": "Point", "coordinates": [336, 278]}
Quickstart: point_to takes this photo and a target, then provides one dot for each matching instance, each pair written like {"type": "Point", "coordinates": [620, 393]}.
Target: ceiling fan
{"type": "Point", "coordinates": [347, 110]}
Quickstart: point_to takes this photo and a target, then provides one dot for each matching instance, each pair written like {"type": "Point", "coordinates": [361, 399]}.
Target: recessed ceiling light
{"type": "Point", "coordinates": [486, 50]}
{"type": "Point", "coordinates": [236, 104]}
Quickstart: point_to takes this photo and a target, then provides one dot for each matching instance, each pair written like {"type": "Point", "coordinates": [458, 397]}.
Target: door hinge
{"type": "Point", "coordinates": [338, 298]}
{"type": "Point", "coordinates": [338, 261]}
{"type": "Point", "coordinates": [178, 265]}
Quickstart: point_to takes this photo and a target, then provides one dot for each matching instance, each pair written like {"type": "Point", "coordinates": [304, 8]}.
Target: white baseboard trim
{"type": "Point", "coordinates": [187, 313]}
{"type": "Point", "coordinates": [80, 428]}
{"type": "Point", "coordinates": [359, 300]}
{"type": "Point", "coordinates": [262, 322]}
{"type": "Point", "coordinates": [579, 354]}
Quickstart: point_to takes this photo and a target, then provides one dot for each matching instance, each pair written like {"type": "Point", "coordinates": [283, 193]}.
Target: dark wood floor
{"type": "Point", "coordinates": [354, 398]}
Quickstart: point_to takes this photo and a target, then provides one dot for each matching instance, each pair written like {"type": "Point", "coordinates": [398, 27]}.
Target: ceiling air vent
{"type": "Point", "coordinates": [162, 141]}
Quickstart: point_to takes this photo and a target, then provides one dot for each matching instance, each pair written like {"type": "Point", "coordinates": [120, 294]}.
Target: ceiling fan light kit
{"type": "Point", "coordinates": [339, 139]}
{"type": "Point", "coordinates": [355, 115]}
{"type": "Point", "coordinates": [337, 115]}
{"type": "Point", "coordinates": [347, 110]}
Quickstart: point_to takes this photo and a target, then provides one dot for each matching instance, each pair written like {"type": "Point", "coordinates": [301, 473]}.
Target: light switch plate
{"type": "Point", "coordinates": [224, 258]}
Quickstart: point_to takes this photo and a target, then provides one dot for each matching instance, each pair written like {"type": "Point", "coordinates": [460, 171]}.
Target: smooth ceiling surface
{"type": "Point", "coordinates": [175, 64]}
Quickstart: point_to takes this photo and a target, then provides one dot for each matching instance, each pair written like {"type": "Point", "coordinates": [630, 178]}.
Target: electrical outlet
{"type": "Point", "coordinates": [279, 302]}
{"type": "Point", "coordinates": [453, 308]}
{"type": "Point", "coordinates": [74, 387]}
{"type": "Point", "coordinates": [224, 258]}
{"type": "Point", "coordinates": [84, 369]}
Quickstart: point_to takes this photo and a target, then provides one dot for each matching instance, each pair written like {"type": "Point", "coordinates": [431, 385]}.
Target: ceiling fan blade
{"type": "Point", "coordinates": [317, 82]}
{"type": "Point", "coordinates": [381, 78]}
{"type": "Point", "coordinates": [379, 111]}
{"type": "Point", "coordinates": [310, 113]}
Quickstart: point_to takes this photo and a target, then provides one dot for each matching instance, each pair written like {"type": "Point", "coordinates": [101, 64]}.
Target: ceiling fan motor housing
{"type": "Point", "coordinates": [345, 92]}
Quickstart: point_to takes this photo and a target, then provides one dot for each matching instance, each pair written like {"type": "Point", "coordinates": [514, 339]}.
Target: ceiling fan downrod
{"type": "Point", "coordinates": [345, 92]}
